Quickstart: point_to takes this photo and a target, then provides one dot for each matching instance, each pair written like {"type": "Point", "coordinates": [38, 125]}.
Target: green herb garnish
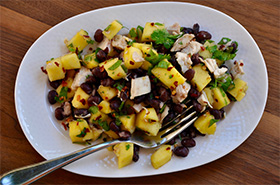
{"type": "Point", "coordinates": [119, 85]}
{"type": "Point", "coordinates": [163, 64]}
{"type": "Point", "coordinates": [155, 58]}
{"type": "Point", "coordinates": [212, 121]}
{"type": "Point", "coordinates": [88, 58]}
{"type": "Point", "coordinates": [121, 106]}
{"type": "Point", "coordinates": [83, 133]}
{"type": "Point", "coordinates": [163, 37]}
{"type": "Point", "coordinates": [93, 109]}
{"type": "Point", "coordinates": [224, 40]}
{"type": "Point", "coordinates": [132, 33]}
{"type": "Point", "coordinates": [104, 125]}
{"type": "Point", "coordinates": [162, 109]}
{"type": "Point", "coordinates": [90, 41]}
{"type": "Point", "coordinates": [127, 146]}
{"type": "Point", "coordinates": [62, 97]}
{"type": "Point", "coordinates": [115, 65]}
{"type": "Point", "coordinates": [108, 27]}
{"type": "Point", "coordinates": [158, 24]}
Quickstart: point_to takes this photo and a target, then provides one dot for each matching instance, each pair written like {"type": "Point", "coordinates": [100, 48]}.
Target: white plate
{"type": "Point", "coordinates": [50, 140]}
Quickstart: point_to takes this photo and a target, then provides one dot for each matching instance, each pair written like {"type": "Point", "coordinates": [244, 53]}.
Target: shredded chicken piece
{"type": "Point", "coordinates": [219, 72]}
{"type": "Point", "coordinates": [203, 100]}
{"type": "Point", "coordinates": [140, 86]}
{"type": "Point", "coordinates": [182, 42]}
{"type": "Point", "coordinates": [237, 69]}
{"type": "Point", "coordinates": [211, 64]}
{"type": "Point", "coordinates": [138, 107]}
{"type": "Point", "coordinates": [105, 43]}
{"type": "Point", "coordinates": [66, 109]}
{"type": "Point", "coordinates": [119, 42]}
{"type": "Point", "coordinates": [192, 48]}
{"type": "Point", "coordinates": [184, 61]}
{"type": "Point", "coordinates": [137, 58]}
{"type": "Point", "coordinates": [181, 93]}
{"type": "Point", "coordinates": [80, 77]}
{"type": "Point", "coordinates": [174, 29]}
{"type": "Point", "coordinates": [164, 114]}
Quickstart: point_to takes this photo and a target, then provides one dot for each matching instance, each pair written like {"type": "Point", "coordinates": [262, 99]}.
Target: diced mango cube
{"type": "Point", "coordinates": [128, 122]}
{"type": "Point", "coordinates": [80, 41]}
{"type": "Point", "coordinates": [161, 156]}
{"type": "Point", "coordinates": [70, 61]}
{"type": "Point", "coordinates": [55, 70]}
{"type": "Point", "coordinates": [169, 76]}
{"type": "Point", "coordinates": [80, 99]}
{"type": "Point", "coordinates": [89, 61]}
{"type": "Point", "coordinates": [104, 106]}
{"type": "Point", "coordinates": [149, 28]}
{"type": "Point", "coordinates": [114, 69]}
{"type": "Point", "coordinates": [220, 98]}
{"type": "Point", "coordinates": [238, 92]}
{"type": "Point", "coordinates": [112, 29]}
{"type": "Point", "coordinates": [107, 93]}
{"type": "Point", "coordinates": [209, 95]}
{"type": "Point", "coordinates": [67, 83]}
{"type": "Point", "coordinates": [203, 122]}
{"type": "Point", "coordinates": [146, 121]}
{"type": "Point", "coordinates": [201, 77]}
{"type": "Point", "coordinates": [124, 152]}
{"type": "Point", "coordinates": [132, 57]}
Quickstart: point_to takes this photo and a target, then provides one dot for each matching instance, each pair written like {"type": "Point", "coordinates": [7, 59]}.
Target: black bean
{"type": "Point", "coordinates": [91, 80]}
{"type": "Point", "coordinates": [135, 157]}
{"type": "Point", "coordinates": [223, 65]}
{"type": "Point", "coordinates": [139, 99]}
{"type": "Point", "coordinates": [99, 73]}
{"type": "Point", "coordinates": [98, 35]}
{"type": "Point", "coordinates": [140, 72]}
{"type": "Point", "coordinates": [94, 100]}
{"type": "Point", "coordinates": [107, 82]}
{"type": "Point", "coordinates": [181, 151]}
{"type": "Point", "coordinates": [198, 108]}
{"type": "Point", "coordinates": [194, 93]}
{"type": "Point", "coordinates": [124, 95]}
{"type": "Point", "coordinates": [124, 135]}
{"type": "Point", "coordinates": [175, 63]}
{"type": "Point", "coordinates": [188, 142]}
{"type": "Point", "coordinates": [234, 47]}
{"type": "Point", "coordinates": [202, 36]}
{"type": "Point", "coordinates": [216, 113]}
{"type": "Point", "coordinates": [114, 126]}
{"type": "Point", "coordinates": [189, 74]}
{"type": "Point", "coordinates": [51, 96]}
{"type": "Point", "coordinates": [192, 131]}
{"type": "Point", "coordinates": [177, 108]}
{"type": "Point", "coordinates": [101, 56]}
{"type": "Point", "coordinates": [187, 30]}
{"type": "Point", "coordinates": [128, 110]}
{"type": "Point", "coordinates": [195, 28]}
{"type": "Point", "coordinates": [162, 49]}
{"type": "Point", "coordinates": [195, 59]}
{"type": "Point", "coordinates": [55, 84]}
{"type": "Point", "coordinates": [115, 104]}
{"type": "Point", "coordinates": [87, 88]}
{"type": "Point", "coordinates": [154, 103]}
{"type": "Point", "coordinates": [172, 141]}
{"type": "Point", "coordinates": [164, 94]}
{"type": "Point", "coordinates": [59, 113]}
{"type": "Point", "coordinates": [136, 148]}
{"type": "Point", "coordinates": [169, 117]}
{"type": "Point", "coordinates": [81, 112]}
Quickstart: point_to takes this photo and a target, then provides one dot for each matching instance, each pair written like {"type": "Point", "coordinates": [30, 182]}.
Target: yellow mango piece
{"type": "Point", "coordinates": [124, 153]}
{"type": "Point", "coordinates": [239, 91]}
{"type": "Point", "coordinates": [112, 134]}
{"type": "Point", "coordinates": [220, 98]}
{"type": "Point", "coordinates": [209, 95]}
{"type": "Point", "coordinates": [146, 65]}
{"type": "Point", "coordinates": [97, 115]}
{"type": "Point", "coordinates": [114, 69]}
{"type": "Point", "coordinates": [204, 52]}
{"type": "Point", "coordinates": [89, 61]}
{"type": "Point", "coordinates": [129, 56]}
{"type": "Point", "coordinates": [80, 99]}
{"type": "Point", "coordinates": [146, 121]}
{"type": "Point", "coordinates": [149, 28]}
{"type": "Point", "coordinates": [79, 131]}
{"type": "Point", "coordinates": [128, 122]}
{"type": "Point", "coordinates": [104, 106]}
{"type": "Point", "coordinates": [107, 93]}
{"type": "Point", "coordinates": [201, 77]}
{"type": "Point", "coordinates": [55, 70]}
{"type": "Point", "coordinates": [169, 77]}
{"type": "Point", "coordinates": [112, 29]}
{"type": "Point", "coordinates": [161, 156]}
{"type": "Point", "coordinates": [80, 41]}
{"type": "Point", "coordinates": [70, 61]}
{"type": "Point", "coordinates": [67, 83]}
{"type": "Point", "coordinates": [203, 122]}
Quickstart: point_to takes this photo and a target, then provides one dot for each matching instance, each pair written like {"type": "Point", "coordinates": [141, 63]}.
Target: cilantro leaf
{"type": "Point", "coordinates": [62, 97]}
{"type": "Point", "coordinates": [163, 64]}
{"type": "Point", "coordinates": [132, 33]}
{"type": "Point", "coordinates": [104, 125]}
{"type": "Point", "coordinates": [127, 147]}
{"type": "Point", "coordinates": [96, 51]}
{"type": "Point", "coordinates": [155, 58]}
{"type": "Point", "coordinates": [83, 133]}
{"type": "Point", "coordinates": [162, 109]}
{"type": "Point", "coordinates": [212, 121]}
{"type": "Point", "coordinates": [90, 41]}
{"type": "Point", "coordinates": [88, 58]}
{"type": "Point", "coordinates": [118, 122]}
{"type": "Point", "coordinates": [115, 65]}
{"type": "Point", "coordinates": [163, 37]}
{"type": "Point", "coordinates": [108, 27]}
{"type": "Point", "coordinates": [119, 85]}
{"type": "Point", "coordinates": [223, 56]}
{"type": "Point", "coordinates": [93, 109]}
{"type": "Point", "coordinates": [158, 24]}
{"type": "Point", "coordinates": [224, 40]}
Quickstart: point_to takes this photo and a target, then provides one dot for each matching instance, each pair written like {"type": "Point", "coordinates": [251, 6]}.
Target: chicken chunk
{"type": "Point", "coordinates": [174, 29]}
{"type": "Point", "coordinates": [182, 42]}
{"type": "Point", "coordinates": [140, 86]}
{"type": "Point", "coordinates": [237, 69]}
{"type": "Point", "coordinates": [192, 48]}
{"type": "Point", "coordinates": [219, 72]}
{"type": "Point", "coordinates": [80, 77]}
{"type": "Point", "coordinates": [184, 61]}
{"type": "Point", "coordinates": [119, 42]}
{"type": "Point", "coordinates": [181, 92]}
{"type": "Point", "coordinates": [203, 101]}
{"type": "Point", "coordinates": [105, 43]}
{"type": "Point", "coordinates": [211, 64]}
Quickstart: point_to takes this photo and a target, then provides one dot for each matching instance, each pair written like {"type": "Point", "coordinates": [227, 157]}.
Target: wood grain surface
{"type": "Point", "coordinates": [256, 161]}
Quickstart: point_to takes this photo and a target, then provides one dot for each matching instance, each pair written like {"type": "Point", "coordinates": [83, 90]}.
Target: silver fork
{"type": "Point", "coordinates": [31, 173]}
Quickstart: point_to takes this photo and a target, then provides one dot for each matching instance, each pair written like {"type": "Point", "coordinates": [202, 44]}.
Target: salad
{"type": "Point", "coordinates": [110, 85]}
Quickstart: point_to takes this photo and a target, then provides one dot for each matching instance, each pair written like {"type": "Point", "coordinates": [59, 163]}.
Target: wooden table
{"type": "Point", "coordinates": [255, 161]}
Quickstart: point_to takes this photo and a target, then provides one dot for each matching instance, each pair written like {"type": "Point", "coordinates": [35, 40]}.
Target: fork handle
{"type": "Point", "coordinates": [31, 173]}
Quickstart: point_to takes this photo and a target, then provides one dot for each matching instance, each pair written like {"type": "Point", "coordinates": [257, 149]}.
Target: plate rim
{"type": "Point", "coordinates": [136, 4]}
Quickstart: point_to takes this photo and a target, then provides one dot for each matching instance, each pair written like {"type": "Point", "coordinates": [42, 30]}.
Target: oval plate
{"type": "Point", "coordinates": [48, 137]}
